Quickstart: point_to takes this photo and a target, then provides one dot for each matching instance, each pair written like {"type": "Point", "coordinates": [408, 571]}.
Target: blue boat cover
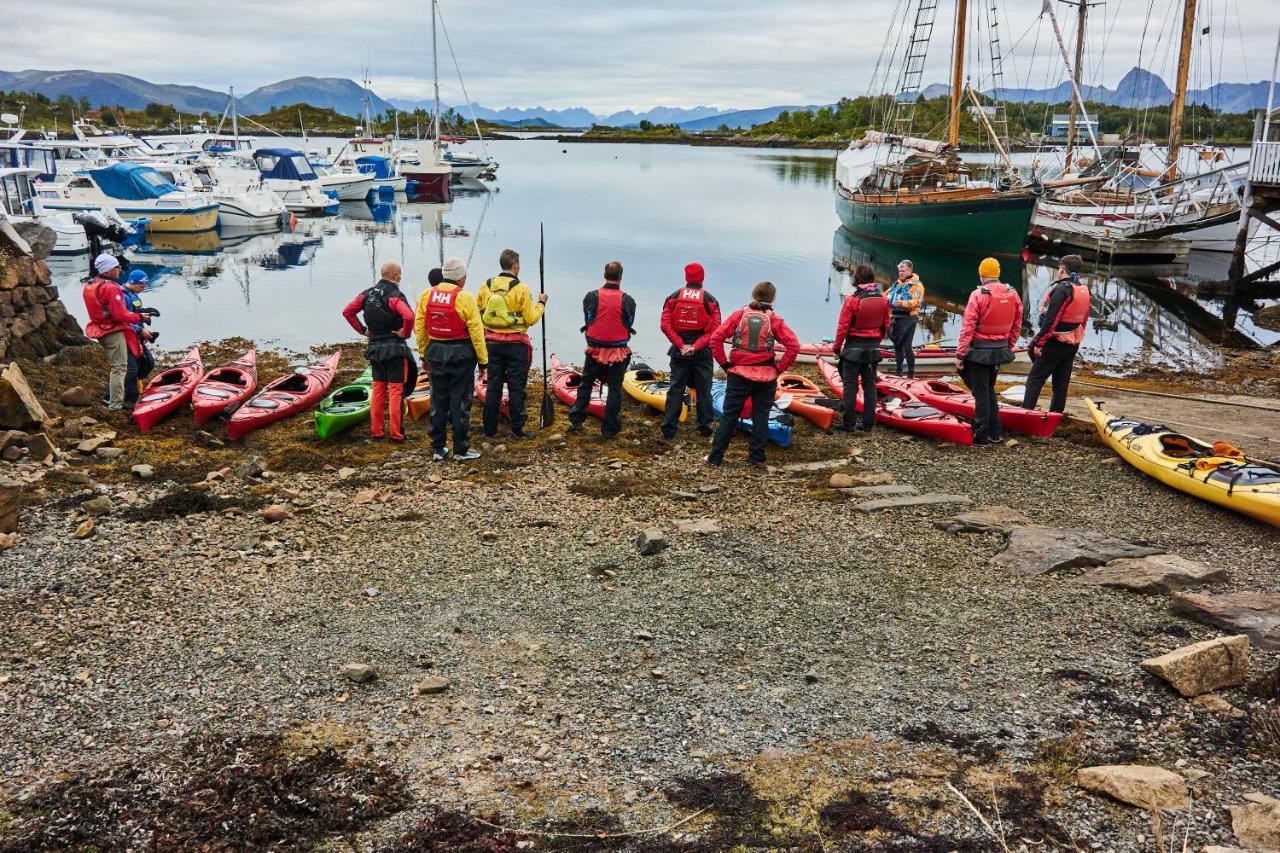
{"type": "Point", "coordinates": [376, 165]}
{"type": "Point", "coordinates": [285, 164]}
{"type": "Point", "coordinates": [132, 182]}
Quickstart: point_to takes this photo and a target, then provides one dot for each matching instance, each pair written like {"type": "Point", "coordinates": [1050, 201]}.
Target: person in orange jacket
{"type": "Point", "coordinates": [905, 296]}
{"type": "Point", "coordinates": [989, 330]}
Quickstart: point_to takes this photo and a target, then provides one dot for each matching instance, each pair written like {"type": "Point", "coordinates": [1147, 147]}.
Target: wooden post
{"type": "Point", "coordinates": [1180, 92]}
{"type": "Point", "coordinates": [957, 74]}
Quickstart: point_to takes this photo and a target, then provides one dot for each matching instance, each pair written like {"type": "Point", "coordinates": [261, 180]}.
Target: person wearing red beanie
{"type": "Point", "coordinates": [689, 316]}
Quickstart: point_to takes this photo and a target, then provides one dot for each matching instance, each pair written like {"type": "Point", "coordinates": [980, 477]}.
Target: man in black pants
{"type": "Point", "coordinates": [507, 310]}
{"type": "Point", "coordinates": [609, 316]}
{"type": "Point", "coordinates": [989, 330]}
{"type": "Point", "coordinates": [689, 316]}
{"type": "Point", "coordinates": [864, 321]}
{"type": "Point", "coordinates": [451, 342]}
{"type": "Point", "coordinates": [1064, 314]}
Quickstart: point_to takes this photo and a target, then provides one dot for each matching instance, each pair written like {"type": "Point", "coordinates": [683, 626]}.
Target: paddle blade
{"type": "Point", "coordinates": [548, 415]}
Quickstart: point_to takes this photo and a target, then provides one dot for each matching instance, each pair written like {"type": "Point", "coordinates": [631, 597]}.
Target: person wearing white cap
{"type": "Point", "coordinates": [451, 343]}
{"type": "Point", "coordinates": [111, 323]}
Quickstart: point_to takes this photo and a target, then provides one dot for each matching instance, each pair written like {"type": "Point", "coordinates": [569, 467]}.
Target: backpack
{"type": "Point", "coordinates": [497, 314]}
{"type": "Point", "coordinates": [754, 332]}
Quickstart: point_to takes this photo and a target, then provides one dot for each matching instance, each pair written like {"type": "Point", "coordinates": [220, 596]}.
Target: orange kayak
{"type": "Point", "coordinates": [807, 400]}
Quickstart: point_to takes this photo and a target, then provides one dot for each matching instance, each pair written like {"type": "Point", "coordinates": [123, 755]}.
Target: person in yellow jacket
{"type": "Point", "coordinates": [507, 310]}
{"type": "Point", "coordinates": [905, 296]}
{"type": "Point", "coordinates": [451, 343]}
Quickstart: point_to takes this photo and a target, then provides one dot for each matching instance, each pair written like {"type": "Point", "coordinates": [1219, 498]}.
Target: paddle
{"type": "Point", "coordinates": [548, 416]}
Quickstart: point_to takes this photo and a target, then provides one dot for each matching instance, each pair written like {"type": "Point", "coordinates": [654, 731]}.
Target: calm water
{"type": "Point", "coordinates": [745, 214]}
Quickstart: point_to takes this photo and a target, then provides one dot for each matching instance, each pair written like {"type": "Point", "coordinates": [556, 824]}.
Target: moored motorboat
{"type": "Point", "coordinates": [1217, 472]}
{"type": "Point", "coordinates": [133, 190]}
{"type": "Point", "coordinates": [223, 389]}
{"type": "Point", "coordinates": [168, 391]}
{"type": "Point", "coordinates": [344, 186]}
{"type": "Point", "coordinates": [284, 397]}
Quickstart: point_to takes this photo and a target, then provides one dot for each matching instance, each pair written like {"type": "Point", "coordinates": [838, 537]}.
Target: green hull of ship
{"type": "Point", "coordinates": [996, 226]}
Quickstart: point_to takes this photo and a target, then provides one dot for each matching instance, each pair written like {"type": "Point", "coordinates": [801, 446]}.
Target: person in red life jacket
{"type": "Point", "coordinates": [610, 316]}
{"type": "Point", "coordinates": [864, 321]}
{"type": "Point", "coordinates": [1064, 314]}
{"type": "Point", "coordinates": [689, 316]}
{"type": "Point", "coordinates": [388, 322]}
{"type": "Point", "coordinates": [111, 324]}
{"type": "Point", "coordinates": [753, 368]}
{"type": "Point", "coordinates": [451, 343]}
{"type": "Point", "coordinates": [988, 332]}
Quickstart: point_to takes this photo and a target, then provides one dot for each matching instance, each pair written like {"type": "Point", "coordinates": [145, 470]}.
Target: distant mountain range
{"type": "Point", "coordinates": [1138, 88]}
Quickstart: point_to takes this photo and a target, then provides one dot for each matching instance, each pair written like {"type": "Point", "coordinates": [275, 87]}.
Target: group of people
{"type": "Point", "coordinates": [119, 322]}
{"type": "Point", "coordinates": [458, 333]}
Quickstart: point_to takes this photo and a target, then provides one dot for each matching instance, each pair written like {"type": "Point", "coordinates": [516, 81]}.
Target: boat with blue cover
{"type": "Point", "coordinates": [133, 190]}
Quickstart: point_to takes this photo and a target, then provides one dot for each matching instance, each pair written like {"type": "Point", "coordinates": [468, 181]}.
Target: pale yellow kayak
{"type": "Point", "coordinates": [1218, 473]}
{"type": "Point", "coordinates": [650, 387]}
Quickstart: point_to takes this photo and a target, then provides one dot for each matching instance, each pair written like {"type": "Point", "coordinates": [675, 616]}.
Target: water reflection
{"type": "Point", "coordinates": [1134, 324]}
{"type": "Point", "coordinates": [800, 168]}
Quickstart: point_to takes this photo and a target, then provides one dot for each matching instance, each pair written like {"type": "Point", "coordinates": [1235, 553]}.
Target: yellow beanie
{"type": "Point", "coordinates": [989, 268]}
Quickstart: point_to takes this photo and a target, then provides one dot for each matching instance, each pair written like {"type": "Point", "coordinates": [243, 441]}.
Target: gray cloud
{"type": "Point", "coordinates": [610, 54]}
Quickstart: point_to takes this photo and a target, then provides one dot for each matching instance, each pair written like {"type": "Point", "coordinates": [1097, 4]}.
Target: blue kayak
{"type": "Point", "coordinates": [780, 422]}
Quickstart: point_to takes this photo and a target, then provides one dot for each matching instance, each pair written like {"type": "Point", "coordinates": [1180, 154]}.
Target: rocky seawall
{"type": "Point", "coordinates": [33, 321]}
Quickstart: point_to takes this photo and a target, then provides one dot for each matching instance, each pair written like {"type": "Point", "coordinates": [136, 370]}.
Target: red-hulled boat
{"type": "Point", "coordinates": [169, 391]}
{"type": "Point", "coordinates": [224, 388]}
{"type": "Point", "coordinates": [565, 381]}
{"type": "Point", "coordinates": [900, 410]}
{"type": "Point", "coordinates": [954, 399]}
{"type": "Point", "coordinates": [482, 393]}
{"type": "Point", "coordinates": [284, 397]}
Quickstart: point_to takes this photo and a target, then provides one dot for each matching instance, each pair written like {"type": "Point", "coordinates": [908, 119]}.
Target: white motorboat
{"type": "Point", "coordinates": [246, 207]}
{"type": "Point", "coordinates": [132, 190]}
{"type": "Point", "coordinates": [345, 186]}
{"type": "Point", "coordinates": [20, 202]}
{"type": "Point", "coordinates": [285, 172]}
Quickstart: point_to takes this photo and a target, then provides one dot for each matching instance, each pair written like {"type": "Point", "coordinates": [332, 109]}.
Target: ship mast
{"type": "Point", "coordinates": [957, 73]}
{"type": "Point", "coordinates": [435, 68]}
{"type": "Point", "coordinates": [1180, 92]}
{"type": "Point", "coordinates": [1075, 76]}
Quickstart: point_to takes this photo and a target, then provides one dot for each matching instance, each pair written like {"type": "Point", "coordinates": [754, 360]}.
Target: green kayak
{"type": "Point", "coordinates": [346, 407]}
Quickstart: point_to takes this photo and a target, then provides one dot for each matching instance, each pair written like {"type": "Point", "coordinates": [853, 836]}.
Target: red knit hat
{"type": "Point", "coordinates": [694, 273]}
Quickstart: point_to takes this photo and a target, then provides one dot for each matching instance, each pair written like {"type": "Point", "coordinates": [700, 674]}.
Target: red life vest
{"type": "Point", "coordinates": [95, 303]}
{"type": "Point", "coordinates": [1002, 312]}
{"type": "Point", "coordinates": [443, 322]}
{"type": "Point", "coordinates": [1070, 323]}
{"type": "Point", "coordinates": [755, 332]}
{"type": "Point", "coordinates": [607, 328]}
{"type": "Point", "coordinates": [689, 313]}
{"type": "Point", "coordinates": [869, 316]}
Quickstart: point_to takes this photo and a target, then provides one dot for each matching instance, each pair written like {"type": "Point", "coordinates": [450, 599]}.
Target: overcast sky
{"type": "Point", "coordinates": [611, 54]}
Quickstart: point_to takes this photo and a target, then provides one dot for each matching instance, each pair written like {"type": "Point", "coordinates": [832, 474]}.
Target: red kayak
{"type": "Point", "coordinates": [224, 388]}
{"type": "Point", "coordinates": [482, 391]}
{"type": "Point", "coordinates": [565, 381]}
{"type": "Point", "coordinates": [901, 410]}
{"type": "Point", "coordinates": [169, 391]}
{"type": "Point", "coordinates": [954, 399]}
{"type": "Point", "coordinates": [284, 397]}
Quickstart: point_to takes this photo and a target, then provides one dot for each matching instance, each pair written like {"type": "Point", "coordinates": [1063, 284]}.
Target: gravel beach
{"type": "Point", "coordinates": [791, 673]}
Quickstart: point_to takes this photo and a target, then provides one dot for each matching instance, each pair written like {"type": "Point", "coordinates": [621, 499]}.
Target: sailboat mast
{"type": "Point", "coordinates": [435, 70]}
{"type": "Point", "coordinates": [1180, 92]}
{"type": "Point", "coordinates": [1075, 76]}
{"type": "Point", "coordinates": [957, 74]}
{"type": "Point", "coordinates": [235, 124]}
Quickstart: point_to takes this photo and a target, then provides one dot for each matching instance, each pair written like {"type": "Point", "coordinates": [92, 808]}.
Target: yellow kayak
{"type": "Point", "coordinates": [1218, 472]}
{"type": "Point", "coordinates": [650, 387]}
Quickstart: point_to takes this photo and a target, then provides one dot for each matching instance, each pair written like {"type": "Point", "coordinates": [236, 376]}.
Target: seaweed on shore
{"type": "Point", "coordinates": [217, 792]}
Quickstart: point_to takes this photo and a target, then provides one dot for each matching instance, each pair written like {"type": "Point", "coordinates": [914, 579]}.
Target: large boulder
{"type": "Point", "coordinates": [1254, 614]}
{"type": "Point", "coordinates": [19, 407]}
{"type": "Point", "coordinates": [1256, 823]}
{"type": "Point", "coordinates": [1136, 784]}
{"type": "Point", "coordinates": [39, 238]}
{"type": "Point", "coordinates": [1038, 550]}
{"type": "Point", "coordinates": [1158, 574]}
{"type": "Point", "coordinates": [1203, 667]}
